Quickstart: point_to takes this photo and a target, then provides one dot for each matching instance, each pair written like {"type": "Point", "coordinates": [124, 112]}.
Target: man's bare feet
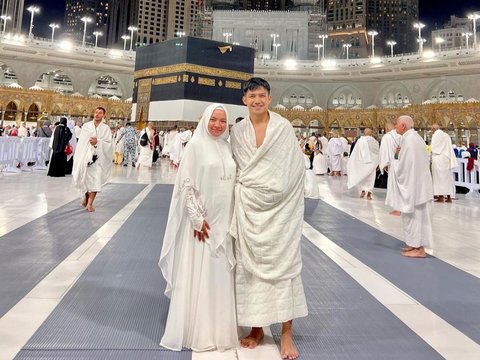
{"type": "Point", "coordinates": [415, 253]}
{"type": "Point", "coordinates": [395, 213]}
{"type": "Point", "coordinates": [85, 200]}
{"type": "Point", "coordinates": [362, 195]}
{"type": "Point", "coordinates": [90, 208]}
{"type": "Point", "coordinates": [288, 350]}
{"type": "Point", "coordinates": [369, 196]}
{"type": "Point", "coordinates": [449, 199]}
{"type": "Point", "coordinates": [440, 199]}
{"type": "Point", "coordinates": [253, 339]}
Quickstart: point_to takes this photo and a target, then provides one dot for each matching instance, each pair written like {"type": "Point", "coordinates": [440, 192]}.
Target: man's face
{"type": "Point", "coordinates": [257, 100]}
{"type": "Point", "coordinates": [98, 115]}
{"type": "Point", "coordinates": [400, 127]}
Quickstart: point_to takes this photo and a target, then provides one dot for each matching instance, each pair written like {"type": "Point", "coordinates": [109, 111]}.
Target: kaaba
{"type": "Point", "coordinates": [176, 80]}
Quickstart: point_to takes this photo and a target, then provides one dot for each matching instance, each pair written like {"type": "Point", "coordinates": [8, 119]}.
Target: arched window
{"type": "Point", "coordinates": [11, 111]}
{"type": "Point", "coordinates": [105, 86]}
{"type": "Point", "coordinates": [55, 80]}
{"type": "Point", "coordinates": [33, 112]}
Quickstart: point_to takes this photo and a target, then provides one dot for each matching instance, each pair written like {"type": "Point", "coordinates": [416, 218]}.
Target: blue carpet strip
{"type": "Point", "coordinates": [452, 294]}
{"type": "Point", "coordinates": [345, 321]}
{"type": "Point", "coordinates": [29, 253]}
{"type": "Point", "coordinates": [116, 310]}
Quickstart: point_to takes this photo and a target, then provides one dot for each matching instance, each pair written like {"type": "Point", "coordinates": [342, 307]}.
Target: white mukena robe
{"type": "Point", "coordinates": [363, 163]}
{"type": "Point", "coordinates": [91, 178]}
{"type": "Point", "coordinates": [414, 189]}
{"type": "Point", "coordinates": [267, 223]}
{"type": "Point", "coordinates": [199, 275]}
{"type": "Point", "coordinates": [387, 163]}
{"type": "Point", "coordinates": [311, 185]}
{"type": "Point", "coordinates": [443, 161]}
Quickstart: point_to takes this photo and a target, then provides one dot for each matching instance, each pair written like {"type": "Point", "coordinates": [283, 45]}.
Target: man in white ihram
{"type": "Point", "coordinates": [413, 189]}
{"type": "Point", "coordinates": [335, 152]}
{"type": "Point", "coordinates": [92, 161]}
{"type": "Point", "coordinates": [363, 163]}
{"type": "Point", "coordinates": [443, 161]}
{"type": "Point", "coordinates": [388, 147]}
{"type": "Point", "coordinates": [268, 220]}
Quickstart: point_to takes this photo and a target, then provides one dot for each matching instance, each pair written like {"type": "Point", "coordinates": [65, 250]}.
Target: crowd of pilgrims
{"type": "Point", "coordinates": [323, 156]}
{"type": "Point", "coordinates": [127, 145]}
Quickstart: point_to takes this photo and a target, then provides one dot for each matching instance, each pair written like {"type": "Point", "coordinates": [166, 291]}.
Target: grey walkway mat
{"type": "Point", "coordinates": [452, 294]}
{"type": "Point", "coordinates": [29, 253]}
{"type": "Point", "coordinates": [345, 321]}
{"type": "Point", "coordinates": [117, 308]}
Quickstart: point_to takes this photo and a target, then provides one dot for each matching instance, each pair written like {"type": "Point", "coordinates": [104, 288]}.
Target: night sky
{"type": "Point", "coordinates": [434, 13]}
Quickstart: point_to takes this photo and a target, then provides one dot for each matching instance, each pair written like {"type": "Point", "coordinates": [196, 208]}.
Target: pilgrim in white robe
{"type": "Point", "coordinates": [320, 165]}
{"type": "Point", "coordinates": [199, 275]}
{"type": "Point", "coordinates": [335, 150]}
{"type": "Point", "coordinates": [311, 186]}
{"type": "Point", "coordinates": [118, 146]}
{"type": "Point", "coordinates": [267, 223]}
{"type": "Point", "coordinates": [181, 141]}
{"type": "Point", "coordinates": [363, 163]}
{"type": "Point", "coordinates": [89, 176]}
{"type": "Point", "coordinates": [145, 157]}
{"type": "Point", "coordinates": [345, 160]}
{"type": "Point", "coordinates": [387, 163]}
{"type": "Point", "coordinates": [443, 161]}
{"type": "Point", "coordinates": [414, 189]}
{"type": "Point", "coordinates": [172, 144]}
{"type": "Point", "coordinates": [166, 144]}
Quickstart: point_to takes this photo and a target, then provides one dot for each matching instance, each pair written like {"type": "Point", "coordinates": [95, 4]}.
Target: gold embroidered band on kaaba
{"type": "Point", "coordinates": [191, 68]}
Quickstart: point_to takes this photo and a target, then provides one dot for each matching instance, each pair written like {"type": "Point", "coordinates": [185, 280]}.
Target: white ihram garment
{"type": "Point", "coordinates": [363, 163]}
{"type": "Point", "coordinates": [388, 146]}
{"type": "Point", "coordinates": [335, 150]}
{"type": "Point", "coordinates": [443, 161]}
{"type": "Point", "coordinates": [91, 178]}
{"type": "Point", "coordinates": [414, 189]}
{"type": "Point", "coordinates": [199, 275]}
{"type": "Point", "coordinates": [267, 223]}
{"type": "Point", "coordinates": [320, 165]}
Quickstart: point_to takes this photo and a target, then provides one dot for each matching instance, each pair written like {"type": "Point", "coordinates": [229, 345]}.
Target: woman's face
{"type": "Point", "coordinates": [217, 123]}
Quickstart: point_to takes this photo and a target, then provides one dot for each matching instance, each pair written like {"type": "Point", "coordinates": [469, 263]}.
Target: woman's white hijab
{"type": "Point", "coordinates": [191, 174]}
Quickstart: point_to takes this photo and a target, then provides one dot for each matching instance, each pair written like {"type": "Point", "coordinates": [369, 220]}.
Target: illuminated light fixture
{"type": "Point", "coordinates": [65, 45]}
{"type": "Point", "coordinates": [290, 64]}
{"type": "Point", "coordinates": [419, 26]}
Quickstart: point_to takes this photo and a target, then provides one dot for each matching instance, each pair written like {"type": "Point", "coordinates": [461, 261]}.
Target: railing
{"type": "Point", "coordinates": [468, 179]}
{"type": "Point", "coordinates": [16, 153]}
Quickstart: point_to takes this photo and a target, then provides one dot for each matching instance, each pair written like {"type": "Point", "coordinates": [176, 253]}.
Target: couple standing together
{"type": "Point", "coordinates": [231, 251]}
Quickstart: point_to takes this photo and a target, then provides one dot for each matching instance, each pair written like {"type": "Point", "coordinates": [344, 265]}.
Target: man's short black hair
{"type": "Point", "coordinates": [101, 108]}
{"type": "Point", "coordinates": [254, 83]}
{"type": "Point", "coordinates": [128, 124]}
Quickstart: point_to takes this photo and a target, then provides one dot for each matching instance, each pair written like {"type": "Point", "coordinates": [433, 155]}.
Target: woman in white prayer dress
{"type": "Point", "coordinates": [197, 257]}
{"type": "Point", "coordinates": [311, 185]}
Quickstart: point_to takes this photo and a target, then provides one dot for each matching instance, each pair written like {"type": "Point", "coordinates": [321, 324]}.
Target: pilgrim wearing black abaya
{"type": "Point", "coordinates": [58, 161]}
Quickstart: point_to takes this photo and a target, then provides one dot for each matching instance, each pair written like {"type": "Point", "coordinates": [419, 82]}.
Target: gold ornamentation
{"type": "Point", "coordinates": [233, 85]}
{"type": "Point", "coordinates": [165, 80]}
{"type": "Point", "coordinates": [206, 81]}
{"type": "Point", "coordinates": [192, 68]}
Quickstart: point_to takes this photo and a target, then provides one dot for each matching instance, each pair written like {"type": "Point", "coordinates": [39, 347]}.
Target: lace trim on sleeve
{"type": "Point", "coordinates": [195, 209]}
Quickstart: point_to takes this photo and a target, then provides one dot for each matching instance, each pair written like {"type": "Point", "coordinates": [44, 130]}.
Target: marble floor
{"type": "Point", "coordinates": [30, 195]}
